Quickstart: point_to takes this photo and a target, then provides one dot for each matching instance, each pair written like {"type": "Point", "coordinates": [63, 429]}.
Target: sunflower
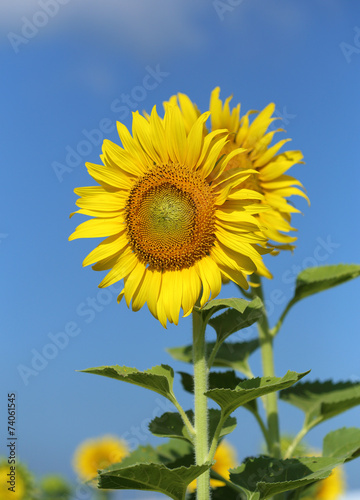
{"type": "Point", "coordinates": [96, 454]}
{"type": "Point", "coordinates": [225, 459]}
{"type": "Point", "coordinates": [333, 487]}
{"type": "Point", "coordinates": [55, 487]}
{"type": "Point", "coordinates": [22, 487]}
{"type": "Point", "coordinates": [270, 179]}
{"type": "Point", "coordinates": [176, 220]}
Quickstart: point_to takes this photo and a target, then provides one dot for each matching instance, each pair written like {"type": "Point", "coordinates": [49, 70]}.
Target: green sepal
{"type": "Point", "coordinates": [160, 472]}
{"type": "Point", "coordinates": [229, 355]}
{"type": "Point", "coordinates": [264, 477]}
{"type": "Point", "coordinates": [343, 442]}
{"type": "Point", "coordinates": [158, 379]}
{"type": "Point", "coordinates": [322, 400]}
{"type": "Point", "coordinates": [171, 425]}
{"type": "Point", "coordinates": [248, 390]}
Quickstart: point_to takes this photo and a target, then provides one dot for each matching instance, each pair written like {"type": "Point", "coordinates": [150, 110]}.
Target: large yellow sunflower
{"type": "Point", "coordinates": [271, 167]}
{"type": "Point", "coordinates": [96, 454]}
{"type": "Point", "coordinates": [176, 220]}
{"type": "Point", "coordinates": [225, 459]}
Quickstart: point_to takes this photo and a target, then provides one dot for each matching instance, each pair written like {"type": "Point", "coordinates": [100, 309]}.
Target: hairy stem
{"type": "Point", "coordinates": [201, 410]}
{"type": "Point", "coordinates": [267, 356]}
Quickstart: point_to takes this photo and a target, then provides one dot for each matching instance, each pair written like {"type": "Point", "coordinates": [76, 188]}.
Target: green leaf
{"type": "Point", "coordinates": [146, 454]}
{"type": "Point", "coordinates": [223, 380]}
{"type": "Point", "coordinates": [235, 355]}
{"type": "Point", "coordinates": [171, 425]}
{"type": "Point", "coordinates": [168, 469]}
{"type": "Point", "coordinates": [152, 477]}
{"type": "Point", "coordinates": [236, 318]}
{"type": "Point", "coordinates": [175, 453]}
{"type": "Point", "coordinates": [220, 493]}
{"type": "Point", "coordinates": [317, 279]}
{"type": "Point", "coordinates": [322, 400]}
{"type": "Point", "coordinates": [184, 353]}
{"type": "Point", "coordinates": [213, 306]}
{"type": "Point", "coordinates": [229, 355]}
{"type": "Point", "coordinates": [158, 379]}
{"type": "Point", "coordinates": [248, 390]}
{"type": "Point", "coordinates": [264, 477]}
{"type": "Point", "coordinates": [344, 442]}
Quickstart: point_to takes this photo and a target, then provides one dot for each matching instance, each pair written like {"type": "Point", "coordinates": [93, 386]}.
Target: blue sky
{"type": "Point", "coordinates": [68, 75]}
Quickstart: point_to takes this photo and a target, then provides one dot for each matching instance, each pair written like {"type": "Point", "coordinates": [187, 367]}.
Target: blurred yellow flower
{"type": "Point", "coordinates": [16, 487]}
{"type": "Point", "coordinates": [175, 219]}
{"type": "Point", "coordinates": [270, 178]}
{"type": "Point", "coordinates": [96, 454]}
{"type": "Point", "coordinates": [225, 457]}
{"type": "Point", "coordinates": [331, 488]}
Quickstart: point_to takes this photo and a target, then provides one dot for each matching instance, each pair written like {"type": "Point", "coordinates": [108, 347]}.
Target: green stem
{"type": "Point", "coordinates": [216, 437]}
{"type": "Point", "coordinates": [201, 410]}
{"type": "Point", "coordinates": [289, 452]}
{"type": "Point", "coordinates": [267, 355]}
{"type": "Point", "coordinates": [231, 485]}
{"type": "Point", "coordinates": [214, 353]}
{"type": "Point", "coordinates": [277, 327]}
{"type": "Point", "coordinates": [185, 419]}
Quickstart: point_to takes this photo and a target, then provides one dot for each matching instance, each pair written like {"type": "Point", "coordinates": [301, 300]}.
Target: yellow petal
{"type": "Point", "coordinates": [280, 164]}
{"type": "Point", "coordinates": [195, 140]}
{"type": "Point", "coordinates": [142, 133]}
{"type": "Point", "coordinates": [107, 248]}
{"type": "Point", "coordinates": [259, 126]}
{"type": "Point", "coordinates": [270, 153]}
{"type": "Point", "coordinates": [158, 135]}
{"type": "Point", "coordinates": [155, 278]}
{"type": "Point", "coordinates": [189, 111]}
{"type": "Point", "coordinates": [191, 289]}
{"type": "Point", "coordinates": [95, 228]}
{"type": "Point", "coordinates": [210, 277]}
{"type": "Point", "coordinates": [133, 281]}
{"type": "Point", "coordinates": [117, 157]}
{"type": "Point", "coordinates": [126, 263]}
{"type": "Point", "coordinates": [111, 176]}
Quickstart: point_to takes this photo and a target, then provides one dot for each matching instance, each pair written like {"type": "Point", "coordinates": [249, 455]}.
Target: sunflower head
{"type": "Point", "coordinates": [225, 459]}
{"type": "Point", "coordinates": [23, 488]}
{"type": "Point", "coordinates": [176, 220]}
{"type": "Point", "coordinates": [96, 454]}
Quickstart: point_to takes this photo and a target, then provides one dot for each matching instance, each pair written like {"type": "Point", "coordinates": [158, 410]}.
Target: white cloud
{"type": "Point", "coordinates": [144, 27]}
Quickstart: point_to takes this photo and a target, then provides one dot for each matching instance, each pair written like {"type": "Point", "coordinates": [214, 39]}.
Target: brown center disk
{"type": "Point", "coordinates": [170, 218]}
